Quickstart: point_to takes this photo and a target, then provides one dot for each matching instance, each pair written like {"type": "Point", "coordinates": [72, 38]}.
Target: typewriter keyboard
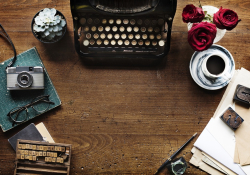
{"type": "Point", "coordinates": [122, 34]}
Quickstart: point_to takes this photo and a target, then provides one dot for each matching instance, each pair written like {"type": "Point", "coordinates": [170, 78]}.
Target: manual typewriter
{"type": "Point", "coordinates": [125, 30]}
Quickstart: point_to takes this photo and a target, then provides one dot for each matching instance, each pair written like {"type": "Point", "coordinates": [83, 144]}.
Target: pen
{"type": "Point", "coordinates": [171, 157]}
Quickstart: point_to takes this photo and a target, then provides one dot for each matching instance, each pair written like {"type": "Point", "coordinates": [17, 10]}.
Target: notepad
{"type": "Point", "coordinates": [13, 99]}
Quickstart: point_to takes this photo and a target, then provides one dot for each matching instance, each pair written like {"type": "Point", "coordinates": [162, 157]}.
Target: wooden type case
{"type": "Point", "coordinates": [34, 157]}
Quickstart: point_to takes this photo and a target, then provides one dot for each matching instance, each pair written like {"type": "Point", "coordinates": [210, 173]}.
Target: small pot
{"type": "Point", "coordinates": [44, 40]}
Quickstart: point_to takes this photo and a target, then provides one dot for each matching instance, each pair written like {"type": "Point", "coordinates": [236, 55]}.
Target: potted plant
{"type": "Point", "coordinates": [49, 25]}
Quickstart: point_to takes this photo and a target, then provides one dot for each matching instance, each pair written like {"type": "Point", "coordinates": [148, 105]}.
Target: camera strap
{"type": "Point", "coordinates": [6, 36]}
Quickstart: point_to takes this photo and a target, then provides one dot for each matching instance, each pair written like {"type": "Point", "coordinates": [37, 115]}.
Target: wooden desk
{"type": "Point", "coordinates": [120, 120]}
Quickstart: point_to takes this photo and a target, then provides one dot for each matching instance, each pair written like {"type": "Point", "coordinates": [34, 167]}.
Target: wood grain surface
{"type": "Point", "coordinates": [120, 120]}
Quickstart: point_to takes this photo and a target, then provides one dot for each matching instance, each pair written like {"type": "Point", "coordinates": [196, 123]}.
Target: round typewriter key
{"type": "Point", "coordinates": [99, 42]}
{"type": "Point", "coordinates": [136, 29]}
{"type": "Point", "coordinates": [144, 36]}
{"type": "Point", "coordinates": [124, 36]}
{"type": "Point", "coordinates": [100, 28]}
{"type": "Point", "coordinates": [139, 21]}
{"type": "Point", "coordinates": [150, 29]}
{"type": "Point", "coordinates": [106, 42]}
{"type": "Point", "coordinates": [126, 42]}
{"type": "Point", "coordinates": [96, 21]}
{"type": "Point", "coordinates": [104, 21]}
{"type": "Point", "coordinates": [88, 35]}
{"type": "Point", "coordinates": [130, 36]}
{"type": "Point", "coordinates": [154, 43]}
{"type": "Point", "coordinates": [117, 36]}
{"type": "Point", "coordinates": [125, 21]}
{"type": "Point", "coordinates": [147, 43]}
{"type": "Point", "coordinates": [153, 22]}
{"type": "Point", "coordinates": [86, 29]}
{"type": "Point", "coordinates": [160, 21]}
{"type": "Point", "coordinates": [92, 42]}
{"type": "Point", "coordinates": [90, 20]}
{"type": "Point", "coordinates": [133, 42]}
{"type": "Point", "coordinates": [82, 21]}
{"type": "Point", "coordinates": [120, 42]}
{"type": "Point", "coordinates": [93, 28]}
{"type": "Point", "coordinates": [111, 21]}
{"type": "Point", "coordinates": [114, 29]}
{"type": "Point", "coordinates": [147, 22]}
{"type": "Point", "coordinates": [118, 21]}
{"type": "Point", "coordinates": [151, 36]}
{"type": "Point", "coordinates": [158, 36]}
{"type": "Point", "coordinates": [107, 28]}
{"type": "Point", "coordinates": [122, 29]}
{"type": "Point", "coordinates": [137, 36]}
{"type": "Point", "coordinates": [143, 29]}
{"type": "Point", "coordinates": [157, 29]}
{"type": "Point", "coordinates": [102, 36]}
{"type": "Point", "coordinates": [161, 43]}
{"type": "Point", "coordinates": [109, 36]}
{"type": "Point", "coordinates": [95, 35]}
{"type": "Point", "coordinates": [113, 42]}
{"type": "Point", "coordinates": [132, 22]}
{"type": "Point", "coordinates": [129, 29]}
{"type": "Point", "coordinates": [140, 42]}
{"type": "Point", "coordinates": [86, 42]}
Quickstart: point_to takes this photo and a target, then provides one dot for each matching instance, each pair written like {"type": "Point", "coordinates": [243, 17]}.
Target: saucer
{"type": "Point", "coordinates": [198, 75]}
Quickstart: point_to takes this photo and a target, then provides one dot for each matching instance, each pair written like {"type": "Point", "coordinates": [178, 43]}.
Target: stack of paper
{"type": "Point", "coordinates": [218, 144]}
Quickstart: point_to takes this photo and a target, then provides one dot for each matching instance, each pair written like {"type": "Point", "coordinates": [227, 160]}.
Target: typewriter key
{"type": "Point", "coordinates": [118, 21]}
{"type": "Point", "coordinates": [102, 36]}
{"type": "Point", "coordinates": [120, 42]}
{"type": "Point", "coordinates": [161, 43]}
{"type": "Point", "coordinates": [147, 43]}
{"type": "Point", "coordinates": [137, 36]}
{"type": "Point", "coordinates": [96, 36]}
{"type": "Point", "coordinates": [90, 21]}
{"type": "Point", "coordinates": [104, 21]}
{"type": "Point", "coordinates": [133, 42]}
{"type": "Point", "coordinates": [147, 22]}
{"type": "Point", "coordinates": [117, 36]}
{"type": "Point", "coordinates": [160, 21]}
{"type": "Point", "coordinates": [158, 36]}
{"type": "Point", "coordinates": [86, 42]}
{"type": "Point", "coordinates": [114, 29]}
{"type": "Point", "coordinates": [157, 29]}
{"type": "Point", "coordinates": [113, 42]}
{"type": "Point", "coordinates": [93, 28]}
{"type": "Point", "coordinates": [151, 36]}
{"type": "Point", "coordinates": [153, 22]}
{"type": "Point", "coordinates": [96, 21]}
{"type": "Point", "coordinates": [154, 43]}
{"type": "Point", "coordinates": [130, 36]}
{"type": "Point", "coordinates": [132, 22]}
{"type": "Point", "coordinates": [88, 35]}
{"type": "Point", "coordinates": [99, 42]}
{"type": "Point", "coordinates": [122, 29]}
{"type": "Point", "coordinates": [82, 21]}
{"type": "Point", "coordinates": [107, 28]}
{"type": "Point", "coordinates": [150, 29]}
{"type": "Point", "coordinates": [136, 29]}
{"type": "Point", "coordinates": [125, 21]}
{"type": "Point", "coordinates": [92, 42]}
{"type": "Point", "coordinates": [140, 42]}
{"type": "Point", "coordinates": [129, 29]}
{"type": "Point", "coordinates": [144, 36]}
{"type": "Point", "coordinates": [143, 29]}
{"type": "Point", "coordinates": [86, 29]}
{"type": "Point", "coordinates": [139, 21]}
{"type": "Point", "coordinates": [111, 21]}
{"type": "Point", "coordinates": [100, 28]}
{"type": "Point", "coordinates": [110, 36]}
{"type": "Point", "coordinates": [106, 42]}
{"type": "Point", "coordinates": [126, 42]}
{"type": "Point", "coordinates": [124, 36]}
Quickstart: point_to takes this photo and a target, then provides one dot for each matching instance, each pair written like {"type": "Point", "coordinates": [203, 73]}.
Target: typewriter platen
{"type": "Point", "coordinates": [126, 30]}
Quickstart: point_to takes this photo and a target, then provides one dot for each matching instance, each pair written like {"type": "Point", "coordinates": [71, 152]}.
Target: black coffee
{"type": "Point", "coordinates": [215, 65]}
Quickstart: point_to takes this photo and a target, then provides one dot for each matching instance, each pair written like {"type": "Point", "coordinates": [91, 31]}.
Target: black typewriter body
{"type": "Point", "coordinates": [125, 31]}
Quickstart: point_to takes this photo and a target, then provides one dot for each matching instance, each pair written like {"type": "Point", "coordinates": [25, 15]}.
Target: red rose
{"type": "Point", "coordinates": [226, 19]}
{"type": "Point", "coordinates": [192, 14]}
{"type": "Point", "coordinates": [201, 35]}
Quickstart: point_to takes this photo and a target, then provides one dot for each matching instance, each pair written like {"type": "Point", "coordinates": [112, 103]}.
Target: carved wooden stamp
{"type": "Point", "coordinates": [232, 119]}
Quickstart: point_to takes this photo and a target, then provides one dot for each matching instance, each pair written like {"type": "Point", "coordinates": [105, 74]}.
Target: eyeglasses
{"type": "Point", "coordinates": [39, 104]}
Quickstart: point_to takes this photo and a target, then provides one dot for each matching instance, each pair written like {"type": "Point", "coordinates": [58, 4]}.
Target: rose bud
{"type": "Point", "coordinates": [226, 19]}
{"type": "Point", "coordinates": [201, 35]}
{"type": "Point", "coordinates": [192, 14]}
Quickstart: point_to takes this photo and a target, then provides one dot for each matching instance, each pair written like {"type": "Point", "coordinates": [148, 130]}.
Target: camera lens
{"type": "Point", "coordinates": [24, 79]}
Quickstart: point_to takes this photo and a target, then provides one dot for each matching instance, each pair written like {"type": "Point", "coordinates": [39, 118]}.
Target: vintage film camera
{"type": "Point", "coordinates": [25, 78]}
